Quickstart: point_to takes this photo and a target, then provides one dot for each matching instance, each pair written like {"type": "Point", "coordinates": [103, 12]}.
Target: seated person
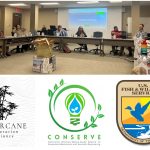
{"type": "Point", "coordinates": [44, 30]}
{"type": "Point", "coordinates": [116, 34]}
{"type": "Point", "coordinates": [18, 34]}
{"type": "Point", "coordinates": [81, 33]}
{"type": "Point", "coordinates": [18, 31]}
{"type": "Point", "coordinates": [1, 34]}
{"type": "Point", "coordinates": [61, 32]}
{"type": "Point", "coordinates": [21, 32]}
{"type": "Point", "coordinates": [13, 31]}
{"type": "Point", "coordinates": [26, 46]}
{"type": "Point", "coordinates": [6, 53]}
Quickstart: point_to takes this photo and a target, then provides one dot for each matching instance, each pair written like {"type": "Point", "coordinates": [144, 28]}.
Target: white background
{"type": "Point", "coordinates": [23, 89]}
{"type": "Point", "coordinates": [104, 90]}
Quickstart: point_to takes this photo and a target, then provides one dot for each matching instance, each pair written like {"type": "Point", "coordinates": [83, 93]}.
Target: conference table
{"type": "Point", "coordinates": [8, 41]}
{"type": "Point", "coordinates": [5, 42]}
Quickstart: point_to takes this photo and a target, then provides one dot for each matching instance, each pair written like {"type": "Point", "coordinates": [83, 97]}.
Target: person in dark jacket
{"type": "Point", "coordinates": [81, 33]}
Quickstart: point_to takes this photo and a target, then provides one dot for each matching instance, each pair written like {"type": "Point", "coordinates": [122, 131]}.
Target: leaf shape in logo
{"type": "Point", "coordinates": [99, 107]}
{"type": "Point", "coordinates": [93, 125]}
{"type": "Point", "coordinates": [55, 87]}
{"type": "Point", "coordinates": [61, 82]}
{"type": "Point", "coordinates": [92, 119]}
{"type": "Point", "coordinates": [100, 115]}
{"type": "Point", "coordinates": [86, 124]}
{"type": "Point", "coordinates": [50, 93]}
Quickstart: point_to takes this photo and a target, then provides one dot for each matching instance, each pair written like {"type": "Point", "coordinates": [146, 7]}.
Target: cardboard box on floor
{"type": "Point", "coordinates": [44, 65]}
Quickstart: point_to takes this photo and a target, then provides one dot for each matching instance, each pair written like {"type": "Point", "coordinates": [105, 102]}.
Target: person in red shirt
{"type": "Point", "coordinates": [115, 35]}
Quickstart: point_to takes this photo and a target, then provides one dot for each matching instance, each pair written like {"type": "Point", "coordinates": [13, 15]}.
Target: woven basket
{"type": "Point", "coordinates": [44, 47]}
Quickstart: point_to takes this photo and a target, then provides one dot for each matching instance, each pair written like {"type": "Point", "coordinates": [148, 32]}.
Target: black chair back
{"type": "Point", "coordinates": [65, 29]}
{"type": "Point", "coordinates": [148, 36]}
{"type": "Point", "coordinates": [50, 32]}
{"type": "Point", "coordinates": [124, 35]}
{"type": "Point", "coordinates": [53, 27]}
{"type": "Point", "coordinates": [98, 34]}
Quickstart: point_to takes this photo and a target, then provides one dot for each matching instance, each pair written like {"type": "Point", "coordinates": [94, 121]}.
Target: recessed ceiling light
{"type": "Point", "coordinates": [115, 1]}
{"type": "Point", "coordinates": [49, 3]}
{"type": "Point", "coordinates": [89, 2]}
{"type": "Point", "coordinates": [17, 4]}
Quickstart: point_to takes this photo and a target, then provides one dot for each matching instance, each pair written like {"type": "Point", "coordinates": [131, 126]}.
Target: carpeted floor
{"type": "Point", "coordinates": [71, 63]}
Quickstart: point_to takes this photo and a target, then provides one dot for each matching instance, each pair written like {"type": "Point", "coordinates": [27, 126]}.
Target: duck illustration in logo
{"type": "Point", "coordinates": [139, 111]}
{"type": "Point", "coordinates": [136, 116]}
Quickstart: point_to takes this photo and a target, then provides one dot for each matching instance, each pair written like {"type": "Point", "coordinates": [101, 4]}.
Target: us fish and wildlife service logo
{"type": "Point", "coordinates": [133, 110]}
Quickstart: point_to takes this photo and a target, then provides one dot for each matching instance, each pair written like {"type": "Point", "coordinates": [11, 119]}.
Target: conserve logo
{"type": "Point", "coordinates": [73, 107]}
{"type": "Point", "coordinates": [133, 110]}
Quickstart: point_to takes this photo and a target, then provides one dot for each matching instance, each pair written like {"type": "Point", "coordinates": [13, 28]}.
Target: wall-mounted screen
{"type": "Point", "coordinates": [88, 18]}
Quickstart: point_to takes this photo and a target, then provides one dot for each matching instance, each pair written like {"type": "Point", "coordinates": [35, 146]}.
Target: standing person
{"type": "Point", "coordinates": [61, 32]}
{"type": "Point", "coordinates": [139, 37]}
{"type": "Point", "coordinates": [140, 33]}
{"type": "Point", "coordinates": [115, 35]}
{"type": "Point", "coordinates": [81, 33]}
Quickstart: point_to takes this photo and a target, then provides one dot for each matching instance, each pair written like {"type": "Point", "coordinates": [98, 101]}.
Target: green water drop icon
{"type": "Point", "coordinates": [75, 103]}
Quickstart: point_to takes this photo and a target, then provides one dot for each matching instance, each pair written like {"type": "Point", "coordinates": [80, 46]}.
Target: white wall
{"type": "Point", "coordinates": [143, 20]}
{"type": "Point", "coordinates": [47, 17]}
{"type": "Point", "coordinates": [146, 22]}
{"type": "Point", "coordinates": [114, 18]}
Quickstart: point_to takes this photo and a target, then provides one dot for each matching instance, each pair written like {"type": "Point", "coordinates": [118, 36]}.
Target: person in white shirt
{"type": "Point", "coordinates": [60, 31]}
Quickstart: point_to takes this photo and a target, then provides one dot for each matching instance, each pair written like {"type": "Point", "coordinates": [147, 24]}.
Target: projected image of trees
{"type": "Point", "coordinates": [6, 107]}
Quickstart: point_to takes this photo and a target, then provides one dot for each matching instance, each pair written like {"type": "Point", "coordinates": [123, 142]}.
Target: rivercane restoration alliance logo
{"type": "Point", "coordinates": [73, 108]}
{"type": "Point", "coordinates": [133, 110]}
{"type": "Point", "coordinates": [8, 129]}
{"type": "Point", "coordinates": [6, 107]}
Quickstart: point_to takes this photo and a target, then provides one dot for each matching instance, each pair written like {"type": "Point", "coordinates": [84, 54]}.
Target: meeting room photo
{"type": "Point", "coordinates": [75, 37]}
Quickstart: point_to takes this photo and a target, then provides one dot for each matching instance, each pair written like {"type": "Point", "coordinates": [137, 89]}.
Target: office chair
{"type": "Point", "coordinates": [82, 47]}
{"type": "Point", "coordinates": [148, 36]}
{"type": "Point", "coordinates": [1, 53]}
{"type": "Point", "coordinates": [118, 49]}
{"type": "Point", "coordinates": [53, 27]}
{"type": "Point", "coordinates": [97, 34]}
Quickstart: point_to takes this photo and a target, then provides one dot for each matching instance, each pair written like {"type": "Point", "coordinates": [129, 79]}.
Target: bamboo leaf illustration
{"type": "Point", "coordinates": [92, 119]}
{"type": "Point", "coordinates": [99, 107]}
{"type": "Point", "coordinates": [55, 87]}
{"type": "Point", "coordinates": [61, 82]}
{"type": "Point", "coordinates": [86, 124]}
{"type": "Point", "coordinates": [93, 125]}
{"type": "Point", "coordinates": [50, 93]}
{"type": "Point", "coordinates": [100, 115]}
